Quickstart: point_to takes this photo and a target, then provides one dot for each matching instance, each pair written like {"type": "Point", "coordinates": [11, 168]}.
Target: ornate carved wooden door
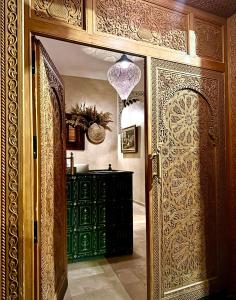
{"type": "Point", "coordinates": [188, 181]}
{"type": "Point", "coordinates": [50, 178]}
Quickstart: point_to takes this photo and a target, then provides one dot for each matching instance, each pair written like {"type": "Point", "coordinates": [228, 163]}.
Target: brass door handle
{"type": "Point", "coordinates": [156, 168]}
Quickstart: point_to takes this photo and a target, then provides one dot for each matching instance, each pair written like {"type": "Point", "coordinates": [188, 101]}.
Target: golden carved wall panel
{"type": "Point", "coordinates": [142, 21]}
{"type": "Point", "coordinates": [52, 167]}
{"type": "Point", "coordinates": [232, 137]}
{"type": "Point", "coordinates": [47, 268]}
{"type": "Point", "coordinates": [10, 120]}
{"type": "Point", "coordinates": [209, 40]}
{"type": "Point", "coordinates": [63, 11]}
{"type": "Point", "coordinates": [188, 200]}
{"type": "Point", "coordinates": [188, 132]}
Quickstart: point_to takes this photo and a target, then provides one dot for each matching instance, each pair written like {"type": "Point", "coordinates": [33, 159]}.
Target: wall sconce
{"type": "Point", "coordinates": [130, 101]}
{"type": "Point", "coordinates": [124, 75]}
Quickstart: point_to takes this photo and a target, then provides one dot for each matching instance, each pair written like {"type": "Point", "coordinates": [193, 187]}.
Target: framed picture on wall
{"type": "Point", "coordinates": [74, 136]}
{"type": "Point", "coordinates": [129, 139]}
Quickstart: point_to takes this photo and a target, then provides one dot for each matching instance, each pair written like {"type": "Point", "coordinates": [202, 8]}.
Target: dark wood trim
{"type": "Point", "coordinates": [79, 143]}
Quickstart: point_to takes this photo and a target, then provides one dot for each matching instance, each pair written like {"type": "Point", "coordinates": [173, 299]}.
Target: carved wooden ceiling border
{"type": "Point", "coordinates": [222, 8]}
{"type": "Point", "coordinates": [167, 79]}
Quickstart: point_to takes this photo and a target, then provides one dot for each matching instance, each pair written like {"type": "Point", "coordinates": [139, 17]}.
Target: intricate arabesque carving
{"type": "Point", "coordinates": [3, 153]}
{"type": "Point", "coordinates": [142, 21]}
{"type": "Point", "coordinates": [208, 40]}
{"type": "Point", "coordinates": [52, 145]}
{"type": "Point", "coordinates": [10, 34]}
{"type": "Point", "coordinates": [232, 136]}
{"type": "Point", "coordinates": [66, 11]}
{"type": "Point", "coordinates": [188, 128]}
{"type": "Point", "coordinates": [9, 150]}
{"type": "Point", "coordinates": [187, 155]}
{"type": "Point", "coordinates": [208, 87]}
{"type": "Point", "coordinates": [47, 267]}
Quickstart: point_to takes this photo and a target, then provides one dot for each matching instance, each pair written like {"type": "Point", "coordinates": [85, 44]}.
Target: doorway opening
{"type": "Point", "coordinates": [91, 273]}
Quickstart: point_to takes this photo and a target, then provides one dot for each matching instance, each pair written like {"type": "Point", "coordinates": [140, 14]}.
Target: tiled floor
{"type": "Point", "coordinates": [118, 278]}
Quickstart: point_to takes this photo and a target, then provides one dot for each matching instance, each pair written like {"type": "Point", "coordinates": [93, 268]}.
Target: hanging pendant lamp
{"type": "Point", "coordinates": [124, 75]}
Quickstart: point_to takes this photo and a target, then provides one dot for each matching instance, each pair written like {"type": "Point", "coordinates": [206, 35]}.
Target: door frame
{"type": "Point", "coordinates": [17, 196]}
{"type": "Point", "coordinates": [147, 138]}
{"type": "Point", "coordinates": [41, 56]}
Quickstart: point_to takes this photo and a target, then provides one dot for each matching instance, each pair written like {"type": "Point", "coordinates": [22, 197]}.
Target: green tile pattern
{"type": "Point", "coordinates": [99, 215]}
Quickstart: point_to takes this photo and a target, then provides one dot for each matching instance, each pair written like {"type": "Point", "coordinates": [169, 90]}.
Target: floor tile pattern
{"type": "Point", "coordinates": [118, 278]}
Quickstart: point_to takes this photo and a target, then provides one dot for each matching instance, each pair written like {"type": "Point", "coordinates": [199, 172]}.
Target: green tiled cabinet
{"type": "Point", "coordinates": [99, 214]}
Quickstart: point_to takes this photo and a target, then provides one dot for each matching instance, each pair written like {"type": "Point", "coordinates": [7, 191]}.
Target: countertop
{"type": "Point", "coordinates": [100, 172]}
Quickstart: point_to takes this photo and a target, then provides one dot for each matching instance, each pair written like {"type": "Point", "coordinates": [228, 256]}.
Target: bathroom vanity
{"type": "Point", "coordinates": [99, 214]}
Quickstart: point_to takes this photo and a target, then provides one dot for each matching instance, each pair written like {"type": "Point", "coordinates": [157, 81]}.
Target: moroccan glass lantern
{"type": "Point", "coordinates": [124, 75]}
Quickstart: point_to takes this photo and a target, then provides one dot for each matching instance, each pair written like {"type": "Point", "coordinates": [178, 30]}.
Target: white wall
{"type": "Point", "coordinates": [99, 93]}
{"type": "Point", "coordinates": [134, 115]}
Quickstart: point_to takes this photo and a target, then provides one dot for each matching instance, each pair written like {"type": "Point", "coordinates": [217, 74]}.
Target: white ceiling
{"type": "Point", "coordinates": [82, 61]}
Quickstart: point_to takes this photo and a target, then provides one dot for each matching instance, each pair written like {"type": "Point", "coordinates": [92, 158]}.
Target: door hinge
{"type": "Point", "coordinates": [35, 232]}
{"type": "Point", "coordinates": [35, 146]}
{"type": "Point", "coordinates": [33, 62]}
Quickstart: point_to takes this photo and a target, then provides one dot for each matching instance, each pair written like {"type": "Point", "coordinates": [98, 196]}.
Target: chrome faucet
{"type": "Point", "coordinates": [71, 158]}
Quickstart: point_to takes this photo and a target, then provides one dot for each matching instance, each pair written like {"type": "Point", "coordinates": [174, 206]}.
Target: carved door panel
{"type": "Point", "coordinates": [50, 175]}
{"type": "Point", "coordinates": [188, 181]}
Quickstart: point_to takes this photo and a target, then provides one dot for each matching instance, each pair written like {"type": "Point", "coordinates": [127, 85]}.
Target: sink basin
{"type": "Point", "coordinates": [104, 171]}
{"type": "Point", "coordinates": [81, 168]}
